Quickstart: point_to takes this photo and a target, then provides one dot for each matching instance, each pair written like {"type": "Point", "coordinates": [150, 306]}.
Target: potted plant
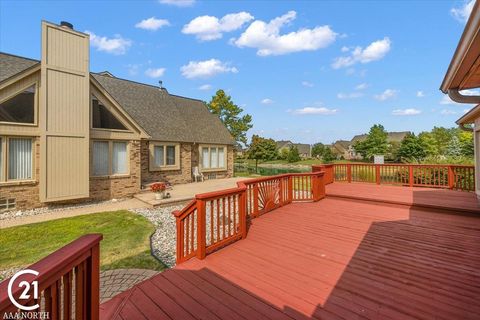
{"type": "Point", "coordinates": [159, 189]}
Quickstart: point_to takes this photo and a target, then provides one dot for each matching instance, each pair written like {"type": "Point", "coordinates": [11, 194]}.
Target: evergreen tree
{"type": "Point", "coordinates": [375, 144]}
{"type": "Point", "coordinates": [411, 149]}
{"type": "Point", "coordinates": [454, 148]}
{"type": "Point", "coordinates": [293, 155]}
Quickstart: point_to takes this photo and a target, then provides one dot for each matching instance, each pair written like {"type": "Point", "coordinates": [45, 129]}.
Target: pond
{"type": "Point", "coordinates": [268, 171]}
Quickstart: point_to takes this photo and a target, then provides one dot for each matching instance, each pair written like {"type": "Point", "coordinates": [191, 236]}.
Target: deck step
{"type": "Point", "coordinates": [410, 204]}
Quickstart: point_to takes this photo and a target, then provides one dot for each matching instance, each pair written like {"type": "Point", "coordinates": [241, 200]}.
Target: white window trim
{"type": "Point", "coordinates": [35, 106]}
{"type": "Point", "coordinates": [209, 146]}
{"type": "Point", "coordinates": [110, 159]}
{"type": "Point", "coordinates": [4, 161]}
{"type": "Point", "coordinates": [151, 147]}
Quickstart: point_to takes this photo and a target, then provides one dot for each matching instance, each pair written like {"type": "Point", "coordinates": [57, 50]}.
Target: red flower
{"type": "Point", "coordinates": [158, 187]}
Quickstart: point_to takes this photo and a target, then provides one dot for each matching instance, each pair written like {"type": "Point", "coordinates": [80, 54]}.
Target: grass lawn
{"type": "Point", "coordinates": [126, 240]}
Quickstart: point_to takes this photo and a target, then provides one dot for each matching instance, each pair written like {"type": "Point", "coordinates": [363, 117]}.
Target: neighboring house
{"type": "Point", "coordinates": [464, 73]}
{"type": "Point", "coordinates": [70, 135]}
{"type": "Point", "coordinates": [240, 151]}
{"type": "Point", "coordinates": [304, 150]}
{"type": "Point", "coordinates": [345, 149]}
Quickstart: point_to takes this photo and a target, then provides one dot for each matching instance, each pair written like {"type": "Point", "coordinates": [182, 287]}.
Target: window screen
{"type": "Point", "coordinates": [19, 159]}
{"type": "Point", "coordinates": [100, 158]}
{"type": "Point", "coordinates": [119, 158]}
{"type": "Point", "coordinates": [20, 108]}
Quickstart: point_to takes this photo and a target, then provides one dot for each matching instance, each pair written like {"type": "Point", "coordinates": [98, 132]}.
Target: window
{"type": "Point", "coordinates": [109, 158]}
{"type": "Point", "coordinates": [164, 156]}
{"type": "Point", "coordinates": [20, 108]}
{"type": "Point", "coordinates": [16, 159]}
{"type": "Point", "coordinates": [213, 157]}
{"type": "Point", "coordinates": [102, 118]}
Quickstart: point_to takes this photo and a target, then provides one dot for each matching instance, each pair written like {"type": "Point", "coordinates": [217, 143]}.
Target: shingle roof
{"type": "Point", "coordinates": [165, 116]}
{"type": "Point", "coordinates": [391, 136]}
{"type": "Point", "coordinates": [11, 65]}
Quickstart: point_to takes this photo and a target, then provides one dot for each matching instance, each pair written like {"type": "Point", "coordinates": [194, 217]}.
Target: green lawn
{"type": "Point", "coordinates": [125, 242]}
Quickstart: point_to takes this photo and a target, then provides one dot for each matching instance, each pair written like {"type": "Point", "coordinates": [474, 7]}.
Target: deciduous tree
{"type": "Point", "coordinates": [262, 149]}
{"type": "Point", "coordinates": [375, 144]}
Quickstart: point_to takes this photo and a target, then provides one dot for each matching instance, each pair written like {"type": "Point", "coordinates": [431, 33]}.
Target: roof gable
{"type": "Point", "coordinates": [11, 65]}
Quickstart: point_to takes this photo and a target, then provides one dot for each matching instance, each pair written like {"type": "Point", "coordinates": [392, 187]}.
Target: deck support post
{"type": "Point", "coordinates": [201, 229]}
{"type": "Point", "coordinates": [378, 178]}
{"type": "Point", "coordinates": [290, 189]}
{"type": "Point", "coordinates": [410, 175]}
{"type": "Point", "coordinates": [93, 284]}
{"type": "Point", "coordinates": [349, 173]}
{"type": "Point", "coordinates": [242, 209]}
{"type": "Point", "coordinates": [451, 177]}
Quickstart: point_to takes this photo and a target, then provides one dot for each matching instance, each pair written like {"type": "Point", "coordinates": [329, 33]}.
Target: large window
{"type": "Point", "coordinates": [109, 158]}
{"type": "Point", "coordinates": [164, 156]}
{"type": "Point", "coordinates": [19, 108]}
{"type": "Point", "coordinates": [16, 159]}
{"type": "Point", "coordinates": [102, 118]}
{"type": "Point", "coordinates": [213, 157]}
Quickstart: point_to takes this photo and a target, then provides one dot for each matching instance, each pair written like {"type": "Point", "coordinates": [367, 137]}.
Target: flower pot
{"type": "Point", "coordinates": [159, 195]}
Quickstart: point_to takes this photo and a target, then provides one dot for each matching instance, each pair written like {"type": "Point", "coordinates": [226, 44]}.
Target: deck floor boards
{"type": "Point", "coordinates": [333, 259]}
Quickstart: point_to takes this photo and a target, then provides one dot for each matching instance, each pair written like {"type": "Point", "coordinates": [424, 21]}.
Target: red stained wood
{"type": "Point", "coordinates": [333, 259]}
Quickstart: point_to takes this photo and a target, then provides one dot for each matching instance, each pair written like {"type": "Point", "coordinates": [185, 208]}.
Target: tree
{"type": "Point", "coordinates": [328, 155]}
{"type": "Point", "coordinates": [230, 114]}
{"type": "Point", "coordinates": [411, 149]}
{"type": "Point", "coordinates": [293, 154]}
{"type": "Point", "coordinates": [375, 144]}
{"type": "Point", "coordinates": [454, 148]}
{"type": "Point", "coordinates": [466, 143]}
{"type": "Point", "coordinates": [283, 153]}
{"type": "Point", "coordinates": [442, 137]}
{"type": "Point", "coordinates": [429, 144]}
{"type": "Point", "coordinates": [317, 150]}
{"type": "Point", "coordinates": [262, 149]}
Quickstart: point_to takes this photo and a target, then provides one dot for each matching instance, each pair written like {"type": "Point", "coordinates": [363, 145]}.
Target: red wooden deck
{"type": "Point", "coordinates": [332, 259]}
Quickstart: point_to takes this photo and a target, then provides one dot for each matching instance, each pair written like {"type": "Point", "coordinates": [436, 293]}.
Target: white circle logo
{"type": "Point", "coordinates": [26, 291]}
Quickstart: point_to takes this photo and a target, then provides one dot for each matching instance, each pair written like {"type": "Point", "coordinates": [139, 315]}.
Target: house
{"type": "Point", "coordinates": [345, 149]}
{"type": "Point", "coordinates": [304, 150]}
{"type": "Point", "coordinates": [464, 73]}
{"type": "Point", "coordinates": [69, 135]}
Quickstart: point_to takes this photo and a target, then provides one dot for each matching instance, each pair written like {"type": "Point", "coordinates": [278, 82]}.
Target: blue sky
{"type": "Point", "coordinates": [307, 71]}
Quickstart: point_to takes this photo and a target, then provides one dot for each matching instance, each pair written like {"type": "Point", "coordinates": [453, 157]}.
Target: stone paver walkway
{"type": "Point", "coordinates": [72, 212]}
{"type": "Point", "coordinates": [113, 282]}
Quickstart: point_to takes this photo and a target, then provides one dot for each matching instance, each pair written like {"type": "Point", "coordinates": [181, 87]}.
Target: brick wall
{"type": "Point", "coordinates": [183, 175]}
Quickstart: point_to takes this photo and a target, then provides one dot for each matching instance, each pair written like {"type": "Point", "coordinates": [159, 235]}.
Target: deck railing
{"type": "Point", "coordinates": [67, 285]}
{"type": "Point", "coordinates": [456, 177]}
{"type": "Point", "coordinates": [216, 219]}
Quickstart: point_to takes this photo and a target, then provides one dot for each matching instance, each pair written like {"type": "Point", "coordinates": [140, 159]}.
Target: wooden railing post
{"type": "Point", "coordinates": [451, 177]}
{"type": "Point", "coordinates": [290, 189]}
{"type": "Point", "coordinates": [201, 229]}
{"type": "Point", "coordinates": [93, 284]}
{"type": "Point", "coordinates": [349, 173]}
{"type": "Point", "coordinates": [410, 175]}
{"type": "Point", "coordinates": [180, 239]}
{"type": "Point", "coordinates": [242, 210]}
{"type": "Point", "coordinates": [255, 200]}
{"type": "Point", "coordinates": [378, 177]}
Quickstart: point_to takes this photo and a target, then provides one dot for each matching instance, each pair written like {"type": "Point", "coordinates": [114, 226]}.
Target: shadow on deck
{"type": "Point", "coordinates": [332, 259]}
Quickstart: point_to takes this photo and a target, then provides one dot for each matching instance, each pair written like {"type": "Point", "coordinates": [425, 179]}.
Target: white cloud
{"type": "Point", "coordinates": [307, 84]}
{"type": "Point", "coordinates": [116, 45]}
{"type": "Point", "coordinates": [462, 13]}
{"type": "Point", "coordinates": [205, 87]}
{"type": "Point", "coordinates": [447, 112]}
{"type": "Point", "coordinates": [207, 28]}
{"type": "Point", "coordinates": [266, 37]}
{"type": "Point", "coordinates": [420, 94]}
{"type": "Point", "coordinates": [352, 95]}
{"type": "Point", "coordinates": [178, 3]}
{"type": "Point", "coordinates": [155, 73]}
{"type": "Point", "coordinates": [373, 52]}
{"type": "Point", "coordinates": [361, 86]}
{"type": "Point", "coordinates": [406, 112]}
{"type": "Point", "coordinates": [385, 95]}
{"type": "Point", "coordinates": [314, 110]}
{"type": "Point", "coordinates": [267, 101]}
{"type": "Point", "coordinates": [206, 69]}
{"type": "Point", "coordinates": [345, 49]}
{"type": "Point", "coordinates": [152, 24]}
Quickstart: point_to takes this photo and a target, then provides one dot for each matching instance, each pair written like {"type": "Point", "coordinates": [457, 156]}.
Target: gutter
{"type": "Point", "coordinates": [456, 96]}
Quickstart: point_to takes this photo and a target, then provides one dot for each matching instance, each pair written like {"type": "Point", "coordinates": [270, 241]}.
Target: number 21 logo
{"type": "Point", "coordinates": [25, 295]}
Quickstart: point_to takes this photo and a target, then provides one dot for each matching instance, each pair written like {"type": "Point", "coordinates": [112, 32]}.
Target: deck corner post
{"type": "Point", "coordinates": [378, 177]}
{"type": "Point", "coordinates": [93, 284]}
{"type": "Point", "coordinates": [201, 229]}
{"type": "Point", "coordinates": [349, 173]}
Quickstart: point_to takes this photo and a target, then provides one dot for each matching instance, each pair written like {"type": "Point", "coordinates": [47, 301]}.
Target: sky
{"type": "Point", "coordinates": [307, 71]}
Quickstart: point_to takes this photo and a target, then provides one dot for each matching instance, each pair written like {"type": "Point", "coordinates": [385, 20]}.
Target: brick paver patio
{"type": "Point", "coordinates": [113, 282]}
